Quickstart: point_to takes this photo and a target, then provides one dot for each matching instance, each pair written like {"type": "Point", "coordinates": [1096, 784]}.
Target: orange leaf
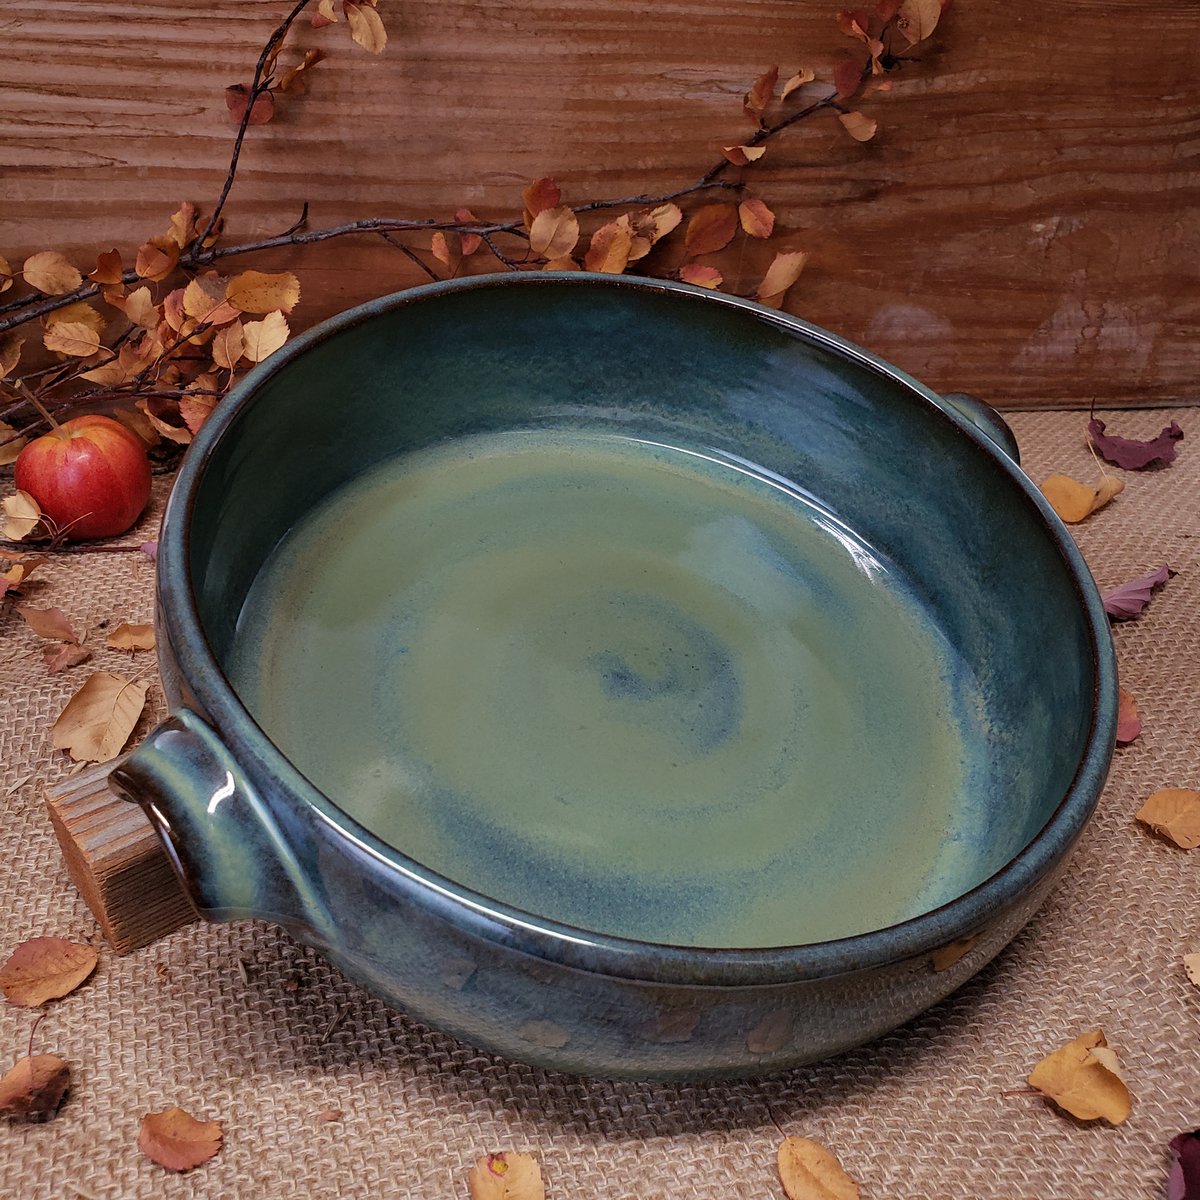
{"type": "Point", "coordinates": [108, 268]}
{"type": "Point", "coordinates": [292, 79]}
{"type": "Point", "coordinates": [227, 346]}
{"type": "Point", "coordinates": [860, 128]}
{"type": "Point", "coordinates": [172, 309]}
{"type": "Point", "coordinates": [183, 224]}
{"type": "Point", "coordinates": [760, 93]}
{"type": "Point", "coordinates": [610, 247]}
{"type": "Point", "coordinates": [46, 968]}
{"type": "Point", "coordinates": [554, 232]}
{"type": "Point", "coordinates": [49, 623]}
{"type": "Point", "coordinates": [263, 338]}
{"type": "Point", "coordinates": [711, 228]}
{"type": "Point", "coordinates": [810, 1172]}
{"type": "Point", "coordinates": [853, 24]}
{"type": "Point", "coordinates": [34, 1087]}
{"type": "Point", "coordinates": [10, 352]}
{"type": "Point", "coordinates": [803, 76]}
{"type": "Point", "coordinates": [99, 717]}
{"type": "Point", "coordinates": [195, 410]}
{"type": "Point", "coordinates": [6, 274]}
{"type": "Point", "coordinates": [140, 308]}
{"type": "Point", "coordinates": [1083, 1078]}
{"type": "Point", "coordinates": [62, 655]}
{"type": "Point", "coordinates": [1129, 723]}
{"type": "Point", "coordinates": [156, 259]}
{"type": "Point", "coordinates": [256, 292]}
{"type": "Point", "coordinates": [756, 218]}
{"type": "Point", "coordinates": [204, 300]}
{"type": "Point", "coordinates": [540, 195]}
{"type": "Point", "coordinates": [131, 637]}
{"type": "Point", "coordinates": [918, 19]}
{"type": "Point", "coordinates": [50, 272]}
{"type": "Point", "coordinates": [237, 96]}
{"type": "Point", "coordinates": [171, 432]}
{"type": "Point", "coordinates": [1073, 501]}
{"type": "Point", "coordinates": [741, 155]}
{"type": "Point", "coordinates": [366, 26]}
{"type": "Point", "coordinates": [506, 1176]}
{"type": "Point", "coordinates": [12, 579]}
{"type": "Point", "coordinates": [655, 223]}
{"type": "Point", "coordinates": [561, 264]}
{"type": "Point", "coordinates": [73, 338]}
{"type": "Point", "coordinates": [176, 1140]}
{"type": "Point", "coordinates": [784, 270]}
{"type": "Point", "coordinates": [439, 245]}
{"type": "Point", "coordinates": [708, 277]}
{"type": "Point", "coordinates": [847, 78]}
{"type": "Point", "coordinates": [470, 241]}
{"type": "Point", "coordinates": [1174, 813]}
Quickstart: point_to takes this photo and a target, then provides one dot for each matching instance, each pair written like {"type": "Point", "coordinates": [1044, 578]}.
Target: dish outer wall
{"type": "Point", "coordinates": [250, 837]}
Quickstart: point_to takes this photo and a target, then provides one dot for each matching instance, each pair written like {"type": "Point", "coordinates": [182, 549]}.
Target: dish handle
{"type": "Point", "coordinates": [987, 420]}
{"type": "Point", "coordinates": [225, 840]}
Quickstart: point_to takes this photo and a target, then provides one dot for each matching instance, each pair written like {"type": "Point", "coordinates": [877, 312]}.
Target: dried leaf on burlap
{"type": "Point", "coordinates": [131, 637]}
{"type": "Point", "coordinates": [1132, 453]}
{"type": "Point", "coordinates": [50, 272]}
{"type": "Point", "coordinates": [1128, 599]}
{"type": "Point", "coordinates": [34, 1087]}
{"type": "Point", "coordinates": [21, 516]}
{"type": "Point", "coordinates": [1183, 1175]}
{"type": "Point", "coordinates": [176, 1140]}
{"type": "Point", "coordinates": [98, 719]}
{"type": "Point", "coordinates": [1084, 1079]}
{"type": "Point", "coordinates": [13, 577]}
{"type": "Point", "coordinates": [63, 655]}
{"type": "Point", "coordinates": [46, 968]}
{"type": "Point", "coordinates": [1129, 721]}
{"type": "Point", "coordinates": [49, 623]}
{"type": "Point", "coordinates": [1073, 501]}
{"type": "Point", "coordinates": [1191, 965]}
{"type": "Point", "coordinates": [506, 1176]}
{"type": "Point", "coordinates": [810, 1172]}
{"type": "Point", "coordinates": [1175, 814]}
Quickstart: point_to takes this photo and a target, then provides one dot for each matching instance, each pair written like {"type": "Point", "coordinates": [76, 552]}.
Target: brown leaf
{"type": "Point", "coordinates": [9, 449]}
{"type": "Point", "coordinates": [803, 76]}
{"type": "Point", "coordinates": [1174, 813]}
{"type": "Point", "coordinates": [1129, 722]}
{"type": "Point", "coordinates": [561, 264]}
{"type": "Point", "coordinates": [34, 1087]}
{"type": "Point", "coordinates": [10, 352]}
{"type": "Point", "coordinates": [470, 241]}
{"type": "Point", "coordinates": [258, 292]}
{"type": "Point", "coordinates": [72, 338]}
{"type": "Point", "coordinates": [131, 637]}
{"type": "Point", "coordinates": [847, 78]}
{"type": "Point", "coordinates": [49, 623]}
{"type": "Point", "coordinates": [80, 312]}
{"type": "Point", "coordinates": [326, 14]}
{"type": "Point", "coordinates": [227, 346]}
{"type": "Point", "coordinates": [263, 338]}
{"type": "Point", "coordinates": [6, 274]}
{"type": "Point", "coordinates": [176, 1140]}
{"type": "Point", "coordinates": [741, 155]}
{"type": "Point", "coordinates": [853, 23]}
{"type": "Point", "coordinates": [772, 1033]}
{"type": "Point", "coordinates": [1073, 501]}
{"type": "Point", "coordinates": [291, 79]}
{"type": "Point", "coordinates": [784, 270]}
{"type": "Point", "coordinates": [610, 247]}
{"type": "Point", "coordinates": [1084, 1079]}
{"type": "Point", "coordinates": [860, 128]}
{"type": "Point", "coordinates": [21, 516]}
{"type": "Point", "coordinates": [204, 300]}
{"type": "Point", "coordinates": [1191, 965]}
{"type": "Point", "coordinates": [540, 195]}
{"type": "Point", "coordinates": [52, 273]}
{"type": "Point", "coordinates": [506, 1176]}
{"type": "Point", "coordinates": [917, 19]}
{"type": "Point", "coordinates": [21, 569]}
{"type": "Point", "coordinates": [140, 308]}
{"type": "Point", "coordinates": [366, 26]}
{"type": "Point", "coordinates": [756, 218]}
{"type": "Point", "coordinates": [165, 429]}
{"type": "Point", "coordinates": [760, 93]}
{"type": "Point", "coordinates": [440, 248]}
{"type": "Point", "coordinates": [108, 268]}
{"type": "Point", "coordinates": [46, 968]}
{"type": "Point", "coordinates": [554, 232]}
{"type": "Point", "coordinates": [183, 224]}
{"type": "Point", "coordinates": [237, 96]}
{"type": "Point", "coordinates": [195, 410]}
{"type": "Point", "coordinates": [810, 1172]}
{"type": "Point", "coordinates": [63, 655]}
{"type": "Point", "coordinates": [99, 717]}
{"type": "Point", "coordinates": [711, 229]}
{"type": "Point", "coordinates": [654, 224]}
{"type": "Point", "coordinates": [156, 259]}
{"type": "Point", "coordinates": [708, 277]}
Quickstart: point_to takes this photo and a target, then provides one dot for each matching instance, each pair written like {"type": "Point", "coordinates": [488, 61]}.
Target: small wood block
{"type": "Point", "coordinates": [116, 861]}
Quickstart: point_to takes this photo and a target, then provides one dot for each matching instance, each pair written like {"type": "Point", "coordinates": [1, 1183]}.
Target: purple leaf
{"type": "Point", "coordinates": [150, 550]}
{"type": "Point", "coordinates": [1128, 599]}
{"type": "Point", "coordinates": [1183, 1179]}
{"type": "Point", "coordinates": [1132, 454]}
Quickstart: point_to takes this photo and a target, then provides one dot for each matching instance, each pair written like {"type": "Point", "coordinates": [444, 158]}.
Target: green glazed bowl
{"type": "Point", "coordinates": [625, 678]}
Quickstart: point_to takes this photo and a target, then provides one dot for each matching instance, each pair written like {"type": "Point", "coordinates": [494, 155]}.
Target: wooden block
{"type": "Point", "coordinates": [116, 861]}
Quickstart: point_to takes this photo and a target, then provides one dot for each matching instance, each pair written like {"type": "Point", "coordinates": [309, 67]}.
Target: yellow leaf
{"type": "Point", "coordinates": [21, 515]}
{"type": "Point", "coordinates": [50, 272]}
{"type": "Point", "coordinates": [803, 76]}
{"type": "Point", "coordinates": [784, 270]}
{"type": "Point", "coordinates": [440, 248]}
{"type": "Point", "coordinates": [756, 218]}
{"type": "Point", "coordinates": [1073, 501]}
{"type": "Point", "coordinates": [182, 437]}
{"type": "Point", "coordinates": [183, 224]}
{"type": "Point", "coordinates": [257, 292]}
{"type": "Point", "coordinates": [73, 338]}
{"type": "Point", "coordinates": [918, 19]}
{"type": "Point", "coordinates": [1083, 1078]}
{"type": "Point", "coordinates": [263, 338]}
{"type": "Point", "coordinates": [1174, 813]}
{"type": "Point", "coordinates": [561, 264]}
{"type": "Point", "coordinates": [6, 274]}
{"type": "Point", "coordinates": [140, 308]}
{"type": "Point", "coordinates": [10, 446]}
{"type": "Point", "coordinates": [10, 352]}
{"type": "Point", "coordinates": [156, 259]}
{"type": "Point", "coordinates": [741, 155]}
{"type": "Point", "coordinates": [327, 11]}
{"type": "Point", "coordinates": [656, 223]}
{"type": "Point", "coordinates": [860, 128]}
{"type": "Point", "coordinates": [366, 26]}
{"type": "Point", "coordinates": [610, 247]}
{"type": "Point", "coordinates": [98, 719]}
{"type": "Point", "coordinates": [204, 300]}
{"type": "Point", "coordinates": [554, 232]}
{"type": "Point", "coordinates": [131, 637]}
{"type": "Point", "coordinates": [227, 346]}
{"type": "Point", "coordinates": [810, 1172]}
{"type": "Point", "coordinates": [1191, 964]}
{"type": "Point", "coordinates": [708, 277]}
{"type": "Point", "coordinates": [506, 1176]}
{"type": "Point", "coordinates": [80, 312]}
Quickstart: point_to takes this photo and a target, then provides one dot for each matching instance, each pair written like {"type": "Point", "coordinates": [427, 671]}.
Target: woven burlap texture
{"type": "Point", "coordinates": [235, 1022]}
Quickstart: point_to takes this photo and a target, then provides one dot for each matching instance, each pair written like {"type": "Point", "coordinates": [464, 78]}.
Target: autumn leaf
{"type": "Point", "coordinates": [131, 637]}
{"type": "Point", "coordinates": [46, 968]}
{"type": "Point", "coordinates": [610, 247]}
{"type": "Point", "coordinates": [227, 346]}
{"type": "Point", "coordinates": [540, 195]}
{"type": "Point", "coordinates": [108, 268]}
{"type": "Point", "coordinates": [506, 1176]}
{"type": "Point", "coordinates": [1074, 501]}
{"type": "Point", "coordinates": [237, 96]}
{"type": "Point", "coordinates": [1084, 1079]}
{"type": "Point", "coordinates": [173, 433]}
{"type": "Point", "coordinates": [860, 128]}
{"type": "Point", "coordinates": [140, 308]}
{"type": "Point", "coordinates": [561, 264]}
{"type": "Point", "coordinates": [756, 218]}
{"type": "Point", "coordinates": [853, 23]}
{"type": "Point", "coordinates": [10, 444]}
{"type": "Point", "coordinates": [366, 26]}
{"type": "Point", "coordinates": [759, 96]}
{"type": "Point", "coordinates": [12, 579]}
{"type": "Point", "coordinates": [204, 299]}
{"type": "Point", "coordinates": [439, 246]}
{"type": "Point", "coordinates": [810, 1172]}
{"type": "Point", "coordinates": [99, 717]}
{"type": "Point", "coordinates": [262, 338]}
{"type": "Point", "coordinates": [49, 623]}
{"type": "Point", "coordinates": [72, 338]}
{"type": "Point", "coordinates": [803, 76]}
{"type": "Point", "coordinates": [176, 1140]}
{"type": "Point", "coordinates": [784, 270]}
{"type": "Point", "coordinates": [707, 277]}
{"type": "Point", "coordinates": [741, 155]}
{"type": "Point", "coordinates": [470, 241]}
{"type": "Point", "coordinates": [52, 273]}
{"type": "Point", "coordinates": [21, 516]}
{"type": "Point", "coordinates": [81, 312]}
{"type": "Point", "coordinates": [6, 274]}
{"type": "Point", "coordinates": [917, 19]}
{"type": "Point", "coordinates": [1129, 723]}
{"type": "Point", "coordinates": [258, 292]}
{"type": "Point", "coordinates": [195, 410]}
{"type": "Point", "coordinates": [1129, 599]}
{"type": "Point", "coordinates": [1183, 1175]}
{"type": "Point", "coordinates": [34, 1087]}
{"type": "Point", "coordinates": [292, 79]}
{"type": "Point", "coordinates": [326, 14]}
{"type": "Point", "coordinates": [710, 229]}
{"type": "Point", "coordinates": [1132, 454]}
{"type": "Point", "coordinates": [554, 232]}
{"type": "Point", "coordinates": [1175, 814]}
{"type": "Point", "coordinates": [847, 78]}
{"type": "Point", "coordinates": [156, 259]}
{"type": "Point", "coordinates": [655, 223]}
{"type": "Point", "coordinates": [182, 228]}
{"type": "Point", "coordinates": [10, 352]}
{"type": "Point", "coordinates": [63, 655]}
{"type": "Point", "coordinates": [1191, 965]}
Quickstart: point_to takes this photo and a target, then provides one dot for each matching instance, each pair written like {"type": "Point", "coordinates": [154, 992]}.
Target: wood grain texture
{"type": "Point", "coordinates": [1023, 227]}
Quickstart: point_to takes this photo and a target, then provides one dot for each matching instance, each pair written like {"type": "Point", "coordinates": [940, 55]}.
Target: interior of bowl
{"type": "Point", "coordinates": [649, 612]}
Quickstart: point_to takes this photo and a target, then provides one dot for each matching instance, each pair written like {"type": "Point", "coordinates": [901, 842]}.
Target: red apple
{"type": "Point", "coordinates": [90, 476]}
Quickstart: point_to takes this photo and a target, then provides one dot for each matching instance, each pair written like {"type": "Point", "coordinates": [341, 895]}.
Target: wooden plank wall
{"type": "Point", "coordinates": [1024, 226]}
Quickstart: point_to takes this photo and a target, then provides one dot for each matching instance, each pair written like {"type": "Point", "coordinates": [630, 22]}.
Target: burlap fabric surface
{"type": "Point", "coordinates": [237, 1023]}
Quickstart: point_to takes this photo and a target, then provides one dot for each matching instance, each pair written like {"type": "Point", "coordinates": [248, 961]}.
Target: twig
{"type": "Point", "coordinates": [335, 1024]}
{"type": "Point", "coordinates": [38, 548]}
{"type": "Point", "coordinates": [408, 253]}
